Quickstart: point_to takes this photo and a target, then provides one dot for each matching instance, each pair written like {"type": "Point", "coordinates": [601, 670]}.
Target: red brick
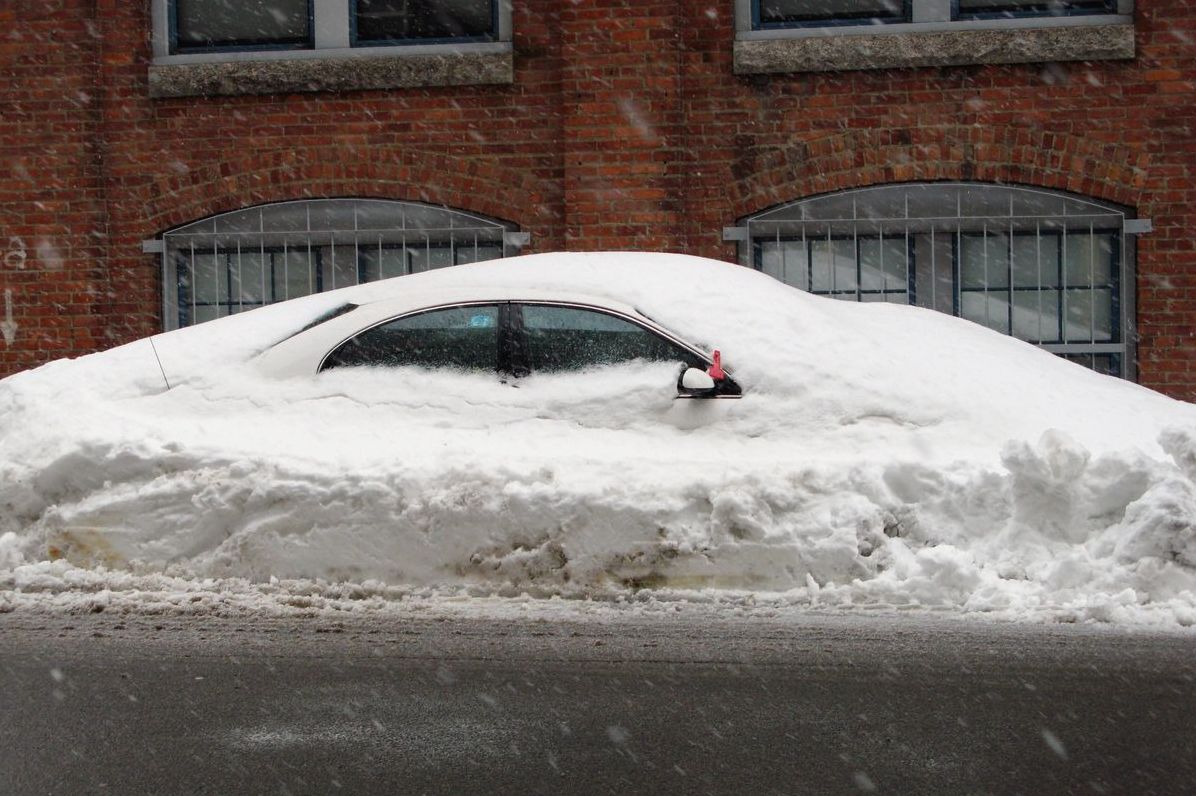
{"type": "Point", "coordinates": [625, 128]}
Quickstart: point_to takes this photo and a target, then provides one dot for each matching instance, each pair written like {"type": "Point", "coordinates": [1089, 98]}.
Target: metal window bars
{"type": "Point", "coordinates": [1046, 267]}
{"type": "Point", "coordinates": [268, 253]}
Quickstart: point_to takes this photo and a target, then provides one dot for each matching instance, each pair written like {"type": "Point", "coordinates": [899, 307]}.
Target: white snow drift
{"type": "Point", "coordinates": [881, 455]}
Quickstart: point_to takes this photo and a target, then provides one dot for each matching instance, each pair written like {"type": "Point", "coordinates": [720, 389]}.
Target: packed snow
{"type": "Point", "coordinates": [881, 455]}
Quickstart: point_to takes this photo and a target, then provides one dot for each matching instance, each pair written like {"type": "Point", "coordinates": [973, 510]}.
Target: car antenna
{"type": "Point", "coordinates": [151, 342]}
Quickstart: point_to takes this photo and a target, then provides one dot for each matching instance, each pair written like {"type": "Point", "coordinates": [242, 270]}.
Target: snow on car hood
{"type": "Point", "coordinates": [881, 455]}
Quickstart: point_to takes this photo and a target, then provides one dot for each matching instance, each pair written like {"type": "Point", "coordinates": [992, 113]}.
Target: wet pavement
{"type": "Point", "coordinates": [623, 704]}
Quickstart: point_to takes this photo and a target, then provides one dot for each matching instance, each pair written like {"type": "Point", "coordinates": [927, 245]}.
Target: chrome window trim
{"type": "Point", "coordinates": [649, 326]}
{"type": "Point", "coordinates": [409, 314]}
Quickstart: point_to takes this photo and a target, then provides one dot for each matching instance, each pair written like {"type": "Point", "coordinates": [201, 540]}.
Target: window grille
{"type": "Point", "coordinates": [261, 255]}
{"type": "Point", "coordinates": [1048, 268]}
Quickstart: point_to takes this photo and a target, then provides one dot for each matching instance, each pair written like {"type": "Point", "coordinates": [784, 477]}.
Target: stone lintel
{"type": "Point", "coordinates": [937, 48]}
{"type": "Point", "coordinates": [330, 74]}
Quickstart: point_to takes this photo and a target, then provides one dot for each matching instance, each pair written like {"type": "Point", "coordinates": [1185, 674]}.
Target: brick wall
{"type": "Point", "coordinates": [625, 128]}
{"type": "Point", "coordinates": [52, 223]}
{"type": "Point", "coordinates": [623, 124]}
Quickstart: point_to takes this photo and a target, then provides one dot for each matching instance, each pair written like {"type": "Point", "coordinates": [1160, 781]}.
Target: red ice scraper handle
{"type": "Point", "coordinates": [716, 370]}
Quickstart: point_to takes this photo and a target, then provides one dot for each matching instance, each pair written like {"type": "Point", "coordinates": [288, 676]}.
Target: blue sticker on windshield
{"type": "Point", "coordinates": [481, 321]}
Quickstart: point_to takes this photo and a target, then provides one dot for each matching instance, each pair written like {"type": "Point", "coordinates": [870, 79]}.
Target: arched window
{"type": "Point", "coordinates": [1048, 268]}
{"type": "Point", "coordinates": [261, 255]}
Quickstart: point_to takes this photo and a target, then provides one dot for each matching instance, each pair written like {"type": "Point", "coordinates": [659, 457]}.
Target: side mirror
{"type": "Point", "coordinates": [696, 383]}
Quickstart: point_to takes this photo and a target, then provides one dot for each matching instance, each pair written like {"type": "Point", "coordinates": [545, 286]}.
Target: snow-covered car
{"type": "Point", "coordinates": [518, 425]}
{"type": "Point", "coordinates": [511, 332]}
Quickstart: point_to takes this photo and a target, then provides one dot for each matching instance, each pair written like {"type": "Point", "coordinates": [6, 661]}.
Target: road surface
{"type": "Point", "coordinates": [697, 702]}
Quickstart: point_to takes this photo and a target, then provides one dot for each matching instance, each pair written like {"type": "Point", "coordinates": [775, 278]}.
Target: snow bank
{"type": "Point", "coordinates": [881, 456]}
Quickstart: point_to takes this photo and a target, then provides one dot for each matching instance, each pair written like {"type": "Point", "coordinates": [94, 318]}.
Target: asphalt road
{"type": "Point", "coordinates": [691, 703]}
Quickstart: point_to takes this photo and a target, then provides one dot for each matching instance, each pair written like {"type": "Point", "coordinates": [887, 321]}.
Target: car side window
{"type": "Point", "coordinates": [569, 338]}
{"type": "Point", "coordinates": [460, 338]}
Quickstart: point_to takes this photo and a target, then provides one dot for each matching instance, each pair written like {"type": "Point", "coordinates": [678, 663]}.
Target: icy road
{"type": "Point", "coordinates": [615, 702]}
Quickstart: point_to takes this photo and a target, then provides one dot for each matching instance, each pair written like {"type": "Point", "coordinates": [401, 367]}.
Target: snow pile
{"type": "Point", "coordinates": [881, 456]}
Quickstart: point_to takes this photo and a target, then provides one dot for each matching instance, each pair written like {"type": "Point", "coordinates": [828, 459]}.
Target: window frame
{"type": "Point", "coordinates": [331, 37]}
{"type": "Point", "coordinates": [317, 274]}
{"type": "Point", "coordinates": [502, 332]}
{"type": "Point", "coordinates": [935, 35]}
{"type": "Point", "coordinates": [939, 15]}
{"type": "Point", "coordinates": [1122, 290]}
{"type": "Point", "coordinates": [314, 243]}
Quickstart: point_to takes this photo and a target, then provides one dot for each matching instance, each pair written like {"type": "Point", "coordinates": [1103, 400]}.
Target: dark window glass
{"type": "Point", "coordinates": [399, 20]}
{"type": "Point", "coordinates": [203, 24]}
{"type": "Point", "coordinates": [880, 272]}
{"type": "Point", "coordinates": [462, 338]}
{"type": "Point", "coordinates": [270, 253]}
{"type": "Point", "coordinates": [1106, 364]}
{"type": "Point", "coordinates": [1064, 287]}
{"type": "Point", "coordinates": [971, 9]}
{"type": "Point", "coordinates": [567, 338]}
{"type": "Point", "coordinates": [786, 13]}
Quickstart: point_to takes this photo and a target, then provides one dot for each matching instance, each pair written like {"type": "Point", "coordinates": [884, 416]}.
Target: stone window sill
{"type": "Point", "coordinates": [908, 46]}
{"type": "Point", "coordinates": [324, 70]}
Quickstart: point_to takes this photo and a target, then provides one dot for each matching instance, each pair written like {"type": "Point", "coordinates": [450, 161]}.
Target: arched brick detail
{"type": "Point", "coordinates": [865, 157]}
{"type": "Point", "coordinates": [434, 178]}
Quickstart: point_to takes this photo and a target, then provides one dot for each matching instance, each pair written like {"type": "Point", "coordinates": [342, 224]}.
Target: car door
{"type": "Point", "coordinates": [551, 338]}
{"type": "Point", "coordinates": [609, 368]}
{"type": "Point", "coordinates": [590, 366]}
{"type": "Point", "coordinates": [465, 337]}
